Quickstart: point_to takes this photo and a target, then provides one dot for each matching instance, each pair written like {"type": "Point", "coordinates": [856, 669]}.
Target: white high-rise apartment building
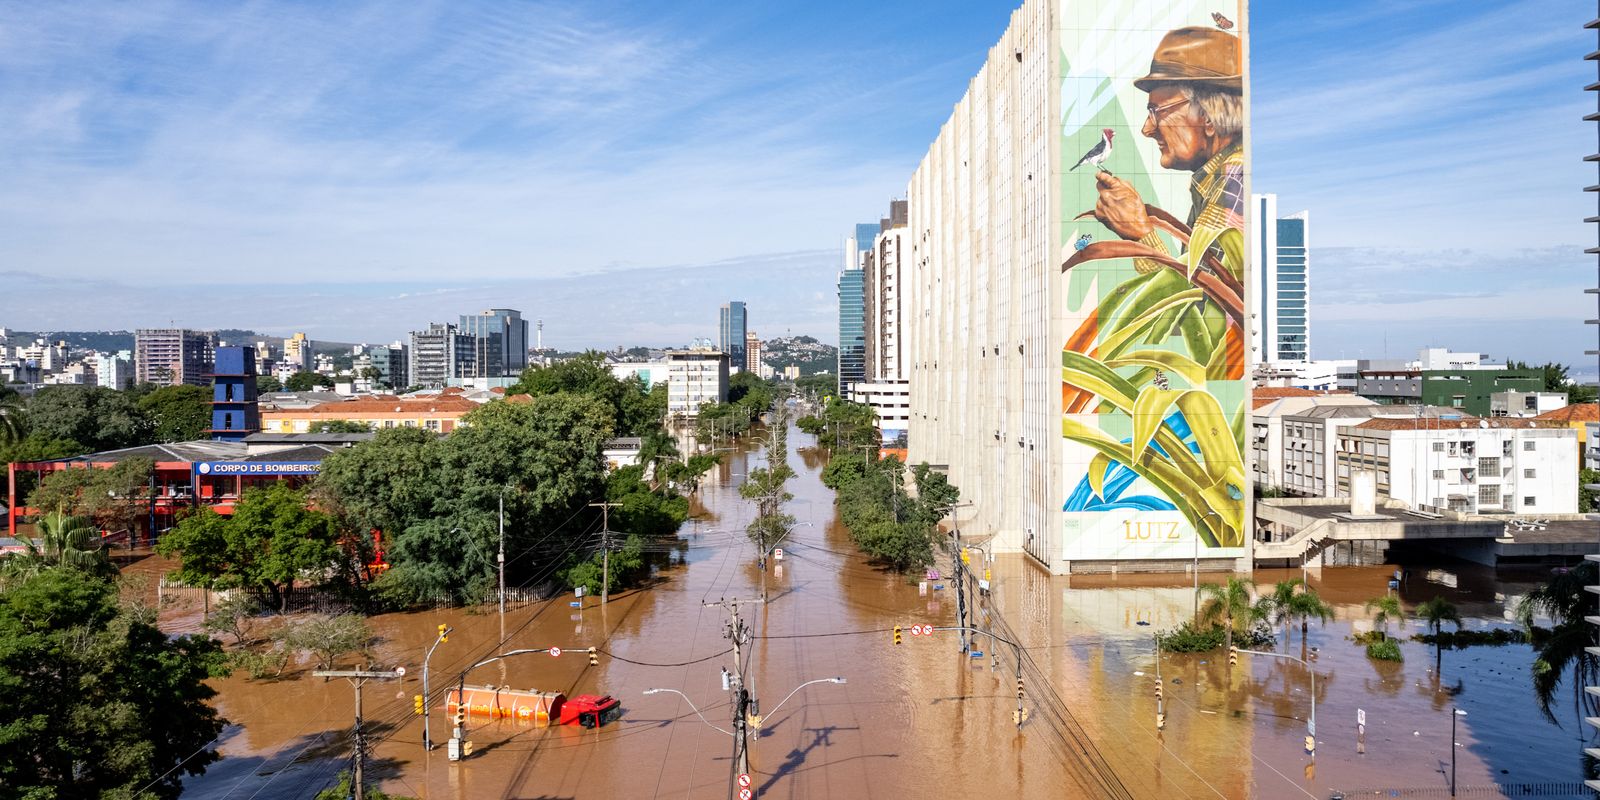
{"type": "Point", "coordinates": [1281, 306]}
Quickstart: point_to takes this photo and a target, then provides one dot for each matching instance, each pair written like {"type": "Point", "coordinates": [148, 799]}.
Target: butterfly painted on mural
{"type": "Point", "coordinates": [1222, 22]}
{"type": "Point", "coordinates": [1083, 241]}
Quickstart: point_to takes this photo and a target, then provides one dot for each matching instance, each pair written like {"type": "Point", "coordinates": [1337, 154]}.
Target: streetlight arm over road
{"type": "Point", "coordinates": [798, 688]}
{"type": "Point", "coordinates": [691, 705]}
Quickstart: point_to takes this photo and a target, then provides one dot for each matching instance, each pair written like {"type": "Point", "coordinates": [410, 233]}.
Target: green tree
{"type": "Point", "coordinates": [115, 498]}
{"type": "Point", "coordinates": [1231, 606]}
{"type": "Point", "coordinates": [1588, 499]}
{"type": "Point", "coordinates": [267, 383]}
{"type": "Point", "coordinates": [82, 681]}
{"type": "Point", "coordinates": [339, 426]}
{"type": "Point", "coordinates": [97, 417]}
{"type": "Point", "coordinates": [1565, 601]}
{"type": "Point", "coordinates": [1385, 609]}
{"type": "Point", "coordinates": [345, 789]}
{"type": "Point", "coordinates": [234, 615]}
{"type": "Point", "coordinates": [811, 424]}
{"type": "Point", "coordinates": [177, 413]}
{"type": "Point", "coordinates": [308, 382]}
{"type": "Point", "coordinates": [271, 541]}
{"type": "Point", "coordinates": [1434, 612]}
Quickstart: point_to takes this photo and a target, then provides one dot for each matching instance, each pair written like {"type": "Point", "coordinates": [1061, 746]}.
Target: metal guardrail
{"type": "Point", "coordinates": [1546, 789]}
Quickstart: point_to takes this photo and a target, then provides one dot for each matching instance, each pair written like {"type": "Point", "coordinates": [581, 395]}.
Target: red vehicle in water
{"type": "Point", "coordinates": [591, 711]}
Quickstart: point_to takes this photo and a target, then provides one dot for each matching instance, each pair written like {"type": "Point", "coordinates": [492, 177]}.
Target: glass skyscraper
{"type": "Point", "coordinates": [853, 309]}
{"type": "Point", "coordinates": [731, 330]}
{"type": "Point", "coordinates": [500, 342]}
{"type": "Point", "coordinates": [1281, 306]}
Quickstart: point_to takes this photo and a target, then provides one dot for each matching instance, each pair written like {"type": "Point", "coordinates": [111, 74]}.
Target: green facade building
{"type": "Point", "coordinates": [1466, 389]}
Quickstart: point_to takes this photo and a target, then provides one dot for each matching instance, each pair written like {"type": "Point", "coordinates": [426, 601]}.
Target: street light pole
{"type": "Point", "coordinates": [1455, 713]}
{"type": "Point", "coordinates": [427, 701]}
{"type": "Point", "coordinates": [1311, 730]}
{"type": "Point", "coordinates": [502, 560]}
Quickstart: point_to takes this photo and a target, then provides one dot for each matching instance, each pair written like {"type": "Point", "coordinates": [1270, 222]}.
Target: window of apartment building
{"type": "Point", "coordinates": [1438, 447]}
{"type": "Point", "coordinates": [1506, 500]}
{"type": "Point", "coordinates": [1527, 473]}
{"type": "Point", "coordinates": [1438, 474]}
{"type": "Point", "coordinates": [1489, 466]}
{"type": "Point", "coordinates": [1505, 448]}
{"type": "Point", "coordinates": [1488, 494]}
{"type": "Point", "coordinates": [1527, 447]}
{"type": "Point", "coordinates": [1528, 501]}
{"type": "Point", "coordinates": [1458, 401]}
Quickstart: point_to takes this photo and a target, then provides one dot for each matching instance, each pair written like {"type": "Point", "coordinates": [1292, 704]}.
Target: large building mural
{"type": "Point", "coordinates": [1153, 189]}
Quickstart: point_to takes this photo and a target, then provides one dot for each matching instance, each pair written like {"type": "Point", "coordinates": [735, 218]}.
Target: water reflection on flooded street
{"type": "Point", "coordinates": [915, 719]}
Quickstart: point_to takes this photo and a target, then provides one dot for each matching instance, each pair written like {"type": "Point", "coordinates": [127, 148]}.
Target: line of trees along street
{"type": "Point", "coordinates": [891, 526]}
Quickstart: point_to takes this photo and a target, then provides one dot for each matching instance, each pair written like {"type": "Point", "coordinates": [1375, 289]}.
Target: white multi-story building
{"type": "Point", "coordinates": [653, 373]}
{"type": "Point", "coordinates": [1268, 429]}
{"type": "Point", "coordinates": [1474, 466]}
{"type": "Point", "coordinates": [1282, 305]}
{"type": "Point", "coordinates": [891, 402]}
{"type": "Point", "coordinates": [694, 378]}
{"type": "Point", "coordinates": [1327, 375]}
{"type": "Point", "coordinates": [114, 371]}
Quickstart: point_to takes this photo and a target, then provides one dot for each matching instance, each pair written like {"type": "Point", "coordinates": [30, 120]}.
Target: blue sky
{"type": "Point", "coordinates": [372, 166]}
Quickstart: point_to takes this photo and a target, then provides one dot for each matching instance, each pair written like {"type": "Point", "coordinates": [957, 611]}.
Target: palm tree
{"type": "Point", "coordinates": [1563, 600]}
{"type": "Point", "coordinates": [1383, 609]}
{"type": "Point", "coordinates": [1304, 605]}
{"type": "Point", "coordinates": [1435, 613]}
{"type": "Point", "coordinates": [12, 425]}
{"type": "Point", "coordinates": [65, 541]}
{"type": "Point", "coordinates": [1283, 593]}
{"type": "Point", "coordinates": [1230, 606]}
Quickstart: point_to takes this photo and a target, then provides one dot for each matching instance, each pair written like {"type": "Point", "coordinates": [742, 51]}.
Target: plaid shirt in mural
{"type": "Point", "coordinates": [1216, 200]}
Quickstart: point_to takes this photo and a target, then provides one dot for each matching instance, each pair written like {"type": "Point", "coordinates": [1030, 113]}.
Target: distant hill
{"type": "Point", "coordinates": [806, 352]}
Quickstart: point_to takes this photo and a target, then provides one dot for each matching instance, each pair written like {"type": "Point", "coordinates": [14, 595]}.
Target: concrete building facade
{"type": "Point", "coordinates": [694, 378]}
{"type": "Point", "coordinates": [439, 354]}
{"type": "Point", "coordinates": [174, 356]}
{"type": "Point", "coordinates": [500, 343]}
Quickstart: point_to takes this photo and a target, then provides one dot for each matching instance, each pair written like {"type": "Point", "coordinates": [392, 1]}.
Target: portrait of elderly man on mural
{"type": "Point", "coordinates": [1151, 378]}
{"type": "Point", "coordinates": [1196, 117]}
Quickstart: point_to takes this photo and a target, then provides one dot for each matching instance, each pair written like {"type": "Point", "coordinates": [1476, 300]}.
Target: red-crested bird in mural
{"type": "Point", "coordinates": [1098, 154]}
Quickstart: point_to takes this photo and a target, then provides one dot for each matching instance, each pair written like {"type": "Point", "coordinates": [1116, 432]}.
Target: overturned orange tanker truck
{"type": "Point", "coordinates": [533, 706]}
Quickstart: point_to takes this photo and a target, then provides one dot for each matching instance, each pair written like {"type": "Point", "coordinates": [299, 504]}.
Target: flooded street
{"type": "Point", "coordinates": [915, 719]}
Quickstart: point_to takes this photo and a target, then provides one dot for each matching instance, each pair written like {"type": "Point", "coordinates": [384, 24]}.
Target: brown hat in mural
{"type": "Point", "coordinates": [1196, 55]}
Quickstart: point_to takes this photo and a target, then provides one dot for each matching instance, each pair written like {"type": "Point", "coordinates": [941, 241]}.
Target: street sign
{"type": "Point", "coordinates": [1311, 727]}
{"type": "Point", "coordinates": [777, 553]}
{"type": "Point", "coordinates": [1361, 716]}
{"type": "Point", "coordinates": [744, 779]}
{"type": "Point", "coordinates": [922, 588]}
{"type": "Point", "coordinates": [555, 652]}
{"type": "Point", "coordinates": [745, 794]}
{"type": "Point", "coordinates": [983, 584]}
{"type": "Point", "coordinates": [580, 591]}
{"type": "Point", "coordinates": [401, 671]}
{"type": "Point", "coordinates": [932, 574]}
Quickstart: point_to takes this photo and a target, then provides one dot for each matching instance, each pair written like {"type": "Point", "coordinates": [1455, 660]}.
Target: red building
{"type": "Point", "coordinates": [193, 474]}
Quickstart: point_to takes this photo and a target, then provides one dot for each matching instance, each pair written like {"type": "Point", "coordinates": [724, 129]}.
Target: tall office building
{"type": "Point", "coordinates": [885, 356]}
{"type": "Point", "coordinates": [174, 356]}
{"type": "Point", "coordinates": [298, 351]}
{"type": "Point", "coordinates": [732, 329]}
{"type": "Point", "coordinates": [440, 353]}
{"type": "Point", "coordinates": [1281, 305]}
{"type": "Point", "coordinates": [853, 308]}
{"type": "Point", "coordinates": [1080, 433]}
{"type": "Point", "coordinates": [752, 353]}
{"type": "Point", "coordinates": [500, 343]}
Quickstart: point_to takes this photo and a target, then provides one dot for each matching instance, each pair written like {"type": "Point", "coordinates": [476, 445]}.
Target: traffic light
{"type": "Point", "coordinates": [897, 634]}
{"type": "Point", "coordinates": [1233, 656]}
{"type": "Point", "coordinates": [1019, 688]}
{"type": "Point", "coordinates": [416, 703]}
{"type": "Point", "coordinates": [1161, 721]}
{"type": "Point", "coordinates": [443, 635]}
{"type": "Point", "coordinates": [1158, 688]}
{"type": "Point", "coordinates": [594, 659]}
{"type": "Point", "coordinates": [1311, 744]}
{"type": "Point", "coordinates": [466, 749]}
{"type": "Point", "coordinates": [965, 558]}
{"type": "Point", "coordinates": [461, 718]}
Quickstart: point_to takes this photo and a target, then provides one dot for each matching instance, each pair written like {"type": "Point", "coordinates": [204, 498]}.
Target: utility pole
{"type": "Point", "coordinates": [605, 550]}
{"type": "Point", "coordinates": [961, 573]}
{"type": "Point", "coordinates": [357, 677]}
{"type": "Point", "coordinates": [502, 560]}
{"type": "Point", "coordinates": [746, 709]}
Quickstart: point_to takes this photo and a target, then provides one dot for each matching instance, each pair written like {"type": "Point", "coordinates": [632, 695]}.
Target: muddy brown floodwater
{"type": "Point", "coordinates": [917, 719]}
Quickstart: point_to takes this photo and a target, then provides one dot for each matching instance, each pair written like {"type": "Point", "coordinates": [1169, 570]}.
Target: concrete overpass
{"type": "Point", "coordinates": [1323, 532]}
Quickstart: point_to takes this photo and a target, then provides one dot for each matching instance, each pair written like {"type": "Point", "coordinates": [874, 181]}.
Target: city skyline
{"type": "Point", "coordinates": [114, 119]}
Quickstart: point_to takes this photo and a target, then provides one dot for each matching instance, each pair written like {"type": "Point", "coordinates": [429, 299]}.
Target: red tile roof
{"type": "Point", "coordinates": [1431, 424]}
{"type": "Point", "coordinates": [1583, 412]}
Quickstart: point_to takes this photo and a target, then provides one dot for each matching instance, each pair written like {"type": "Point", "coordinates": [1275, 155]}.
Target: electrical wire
{"type": "Point", "coordinates": [612, 655]}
